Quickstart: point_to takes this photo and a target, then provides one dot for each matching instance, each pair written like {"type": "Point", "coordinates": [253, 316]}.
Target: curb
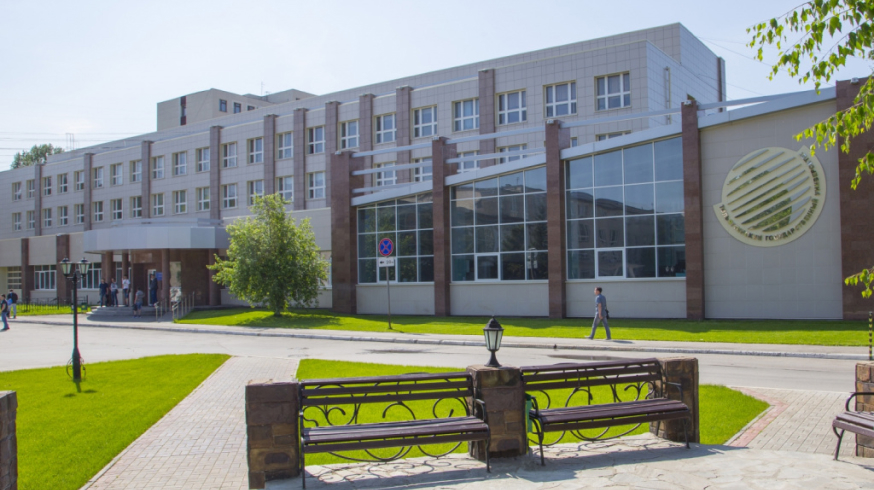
{"type": "Point", "coordinates": [470, 343]}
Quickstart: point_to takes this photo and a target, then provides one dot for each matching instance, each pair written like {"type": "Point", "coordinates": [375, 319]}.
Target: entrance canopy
{"type": "Point", "coordinates": [157, 234]}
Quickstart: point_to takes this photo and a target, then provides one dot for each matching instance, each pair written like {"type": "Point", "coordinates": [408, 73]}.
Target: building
{"type": "Point", "coordinates": [510, 186]}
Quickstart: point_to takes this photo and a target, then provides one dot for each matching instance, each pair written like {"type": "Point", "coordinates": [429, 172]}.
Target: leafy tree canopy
{"type": "Point", "coordinates": [814, 40]}
{"type": "Point", "coordinates": [36, 155]}
{"type": "Point", "coordinates": [272, 260]}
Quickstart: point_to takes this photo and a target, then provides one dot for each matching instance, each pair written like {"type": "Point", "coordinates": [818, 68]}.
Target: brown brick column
{"type": "Point", "coordinates": [125, 271]}
{"type": "Point", "coordinates": [165, 275]}
{"type": "Point", "coordinates": [502, 390]}
{"type": "Point", "coordinates": [146, 187]}
{"type": "Point", "coordinates": [8, 441]}
{"type": "Point", "coordinates": [404, 125]}
{"type": "Point", "coordinates": [272, 432]}
{"type": "Point", "coordinates": [365, 133]}
{"type": "Point", "coordinates": [682, 370]}
{"type": "Point", "coordinates": [865, 382]}
{"type": "Point", "coordinates": [440, 152]}
{"type": "Point", "coordinates": [486, 84]}
{"type": "Point", "coordinates": [300, 147]}
{"type": "Point", "coordinates": [331, 141]}
{"type": "Point", "coordinates": [556, 140]}
{"type": "Point", "coordinates": [215, 173]}
{"type": "Point", "coordinates": [87, 160]}
{"type": "Point", "coordinates": [106, 267]}
{"type": "Point", "coordinates": [26, 270]}
{"type": "Point", "coordinates": [857, 234]}
{"type": "Point", "coordinates": [215, 294]}
{"type": "Point", "coordinates": [344, 236]}
{"type": "Point", "coordinates": [37, 199]}
{"type": "Point", "coordinates": [269, 154]}
{"type": "Point", "coordinates": [62, 285]}
{"type": "Point", "coordinates": [692, 206]}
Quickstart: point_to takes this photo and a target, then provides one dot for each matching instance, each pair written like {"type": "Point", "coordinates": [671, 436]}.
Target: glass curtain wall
{"type": "Point", "coordinates": [408, 222]}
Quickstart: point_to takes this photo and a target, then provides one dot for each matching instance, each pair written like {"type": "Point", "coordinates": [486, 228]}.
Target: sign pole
{"type": "Point", "coordinates": [388, 293]}
{"type": "Point", "coordinates": [870, 329]}
{"type": "Point", "coordinates": [386, 247]}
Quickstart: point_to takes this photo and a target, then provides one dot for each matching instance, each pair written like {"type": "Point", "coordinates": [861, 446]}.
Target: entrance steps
{"type": "Point", "coordinates": [101, 312]}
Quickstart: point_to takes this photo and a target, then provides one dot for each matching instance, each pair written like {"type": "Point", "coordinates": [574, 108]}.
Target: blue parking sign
{"type": "Point", "coordinates": [386, 247]}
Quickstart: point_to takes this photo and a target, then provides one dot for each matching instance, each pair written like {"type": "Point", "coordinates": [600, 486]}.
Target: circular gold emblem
{"type": "Point", "coordinates": [772, 196]}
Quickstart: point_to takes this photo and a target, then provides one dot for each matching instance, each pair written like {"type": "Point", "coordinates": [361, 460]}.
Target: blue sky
{"type": "Point", "coordinates": [98, 68]}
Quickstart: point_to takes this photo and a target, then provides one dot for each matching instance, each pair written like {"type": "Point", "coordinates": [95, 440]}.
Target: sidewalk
{"type": "Point", "coordinates": [770, 350]}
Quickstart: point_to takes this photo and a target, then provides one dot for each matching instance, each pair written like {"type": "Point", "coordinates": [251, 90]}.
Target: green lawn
{"type": "Point", "coordinates": [67, 433]}
{"type": "Point", "coordinates": [723, 411]}
{"type": "Point", "coordinates": [34, 310]}
{"type": "Point", "coordinates": [812, 332]}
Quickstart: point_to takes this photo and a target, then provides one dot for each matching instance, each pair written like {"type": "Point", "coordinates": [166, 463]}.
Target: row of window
{"type": "Point", "coordinates": [223, 107]}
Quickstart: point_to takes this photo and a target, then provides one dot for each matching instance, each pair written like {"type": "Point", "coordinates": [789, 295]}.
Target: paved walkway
{"type": "Point", "coordinates": [201, 443]}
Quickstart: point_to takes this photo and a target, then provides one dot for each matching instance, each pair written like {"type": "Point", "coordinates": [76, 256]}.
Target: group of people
{"type": "Point", "coordinates": [109, 293]}
{"type": "Point", "coordinates": [8, 306]}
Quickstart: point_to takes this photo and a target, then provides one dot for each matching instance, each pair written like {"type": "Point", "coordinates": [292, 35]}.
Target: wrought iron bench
{"type": "Point", "coordinates": [640, 401]}
{"type": "Point", "coordinates": [861, 423]}
{"type": "Point", "coordinates": [323, 401]}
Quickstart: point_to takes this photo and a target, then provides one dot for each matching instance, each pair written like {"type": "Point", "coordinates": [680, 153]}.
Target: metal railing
{"type": "Point", "coordinates": [182, 306]}
{"type": "Point", "coordinates": [48, 305]}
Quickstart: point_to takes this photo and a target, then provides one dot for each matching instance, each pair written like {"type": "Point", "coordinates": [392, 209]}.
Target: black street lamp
{"type": "Point", "coordinates": [74, 275]}
{"type": "Point", "coordinates": [493, 333]}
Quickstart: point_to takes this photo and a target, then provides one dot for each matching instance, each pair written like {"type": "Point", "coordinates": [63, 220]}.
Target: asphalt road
{"type": "Point", "coordinates": [34, 345]}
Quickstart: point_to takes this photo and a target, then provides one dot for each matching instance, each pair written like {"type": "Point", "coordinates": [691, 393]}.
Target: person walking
{"type": "Point", "coordinates": [4, 312]}
{"type": "Point", "coordinates": [153, 289]}
{"type": "Point", "coordinates": [601, 314]}
{"type": "Point", "coordinates": [104, 292]}
{"type": "Point", "coordinates": [138, 303]}
{"type": "Point", "coordinates": [125, 290]}
{"type": "Point", "coordinates": [13, 303]}
{"type": "Point", "coordinates": [113, 292]}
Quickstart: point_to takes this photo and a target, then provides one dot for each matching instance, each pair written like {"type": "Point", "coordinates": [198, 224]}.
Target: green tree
{"type": "Point", "coordinates": [824, 33]}
{"type": "Point", "coordinates": [36, 155]}
{"type": "Point", "coordinates": [272, 260]}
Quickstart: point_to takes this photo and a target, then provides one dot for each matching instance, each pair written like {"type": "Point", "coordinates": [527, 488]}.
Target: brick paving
{"type": "Point", "coordinates": [201, 443]}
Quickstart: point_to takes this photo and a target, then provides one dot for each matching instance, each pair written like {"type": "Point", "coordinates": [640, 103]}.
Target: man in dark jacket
{"type": "Point", "coordinates": [104, 292]}
{"type": "Point", "coordinates": [13, 302]}
{"type": "Point", "coordinates": [153, 289]}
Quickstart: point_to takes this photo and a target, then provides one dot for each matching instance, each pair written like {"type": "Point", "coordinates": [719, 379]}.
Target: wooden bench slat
{"type": "Point", "coordinates": [595, 364]}
{"type": "Point", "coordinates": [404, 423]}
{"type": "Point", "coordinates": [354, 400]}
{"type": "Point", "coordinates": [386, 379]}
{"type": "Point", "coordinates": [581, 373]}
{"type": "Point", "coordinates": [363, 433]}
{"type": "Point", "coordinates": [594, 412]}
{"type": "Point", "coordinates": [862, 419]}
{"type": "Point", "coordinates": [383, 388]}
{"type": "Point", "coordinates": [601, 424]}
{"type": "Point", "coordinates": [590, 382]}
{"type": "Point", "coordinates": [419, 441]}
{"type": "Point", "coordinates": [856, 429]}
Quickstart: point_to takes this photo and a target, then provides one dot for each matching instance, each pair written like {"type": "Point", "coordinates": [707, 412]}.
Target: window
{"type": "Point", "coordinates": [285, 188]}
{"type": "Point", "coordinates": [13, 278]}
{"type": "Point", "coordinates": [608, 136]}
{"type": "Point", "coordinates": [47, 186]}
{"type": "Point", "coordinates": [44, 277]}
{"type": "Point", "coordinates": [157, 205]}
{"type": "Point", "coordinates": [80, 213]}
{"type": "Point", "coordinates": [256, 150]}
{"type": "Point", "coordinates": [256, 189]}
{"type": "Point", "coordinates": [498, 228]}
{"type": "Point", "coordinates": [317, 185]}
{"type": "Point", "coordinates": [63, 218]}
{"type": "Point", "coordinates": [229, 155]}
{"type": "Point", "coordinates": [284, 145]}
{"type": "Point", "coordinates": [512, 108]}
{"type": "Point", "coordinates": [385, 128]}
{"type": "Point", "coordinates": [613, 91]}
{"type": "Point", "coordinates": [202, 194]}
{"type": "Point", "coordinates": [223, 105]}
{"type": "Point", "coordinates": [79, 177]}
{"type": "Point", "coordinates": [425, 122]}
{"type": "Point", "coordinates": [203, 159]}
{"type": "Point", "coordinates": [575, 142]}
{"type": "Point", "coordinates": [238, 108]}
{"type": "Point", "coordinates": [229, 196]}
{"type": "Point", "coordinates": [158, 167]}
{"type": "Point", "coordinates": [250, 108]}
{"type": "Point", "coordinates": [510, 149]}
{"type": "Point", "coordinates": [91, 280]}
{"type": "Point", "coordinates": [423, 174]}
{"type": "Point", "coordinates": [97, 178]}
{"type": "Point", "coordinates": [31, 220]}
{"type": "Point", "coordinates": [465, 115]}
{"type": "Point", "coordinates": [31, 189]}
{"type": "Point", "coordinates": [385, 178]}
{"type": "Point", "coordinates": [180, 163]}
{"type": "Point", "coordinates": [349, 134]}
{"type": "Point", "coordinates": [180, 202]}
{"type": "Point", "coordinates": [117, 209]}
{"type": "Point", "coordinates": [624, 213]}
{"type": "Point", "coordinates": [115, 174]}
{"type": "Point", "coordinates": [561, 99]}
{"type": "Point", "coordinates": [136, 207]}
{"type": "Point", "coordinates": [16, 191]}
{"type": "Point", "coordinates": [136, 171]}
{"type": "Point", "coordinates": [16, 221]}
{"type": "Point", "coordinates": [316, 140]}
{"type": "Point", "coordinates": [408, 222]}
{"type": "Point", "coordinates": [62, 184]}
{"type": "Point", "coordinates": [469, 165]}
{"type": "Point", "coordinates": [47, 217]}
{"type": "Point", "coordinates": [97, 211]}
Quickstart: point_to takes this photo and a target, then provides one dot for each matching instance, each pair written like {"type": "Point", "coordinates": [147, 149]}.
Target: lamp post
{"type": "Point", "coordinates": [493, 333]}
{"type": "Point", "coordinates": [74, 274]}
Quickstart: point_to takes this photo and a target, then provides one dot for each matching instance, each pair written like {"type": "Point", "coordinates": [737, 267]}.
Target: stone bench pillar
{"type": "Point", "coordinates": [501, 388]}
{"type": "Point", "coordinates": [865, 382]}
{"type": "Point", "coordinates": [8, 441]}
{"type": "Point", "coordinates": [272, 431]}
{"type": "Point", "coordinates": [682, 370]}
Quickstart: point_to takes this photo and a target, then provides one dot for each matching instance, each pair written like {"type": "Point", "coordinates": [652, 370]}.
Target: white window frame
{"type": "Point", "coordinates": [202, 155]}
{"type": "Point", "coordinates": [229, 196]}
{"type": "Point", "coordinates": [63, 216]}
{"type": "Point", "coordinates": [505, 113]}
{"type": "Point", "coordinates": [423, 129]}
{"type": "Point", "coordinates": [136, 171]}
{"type": "Point", "coordinates": [62, 184]}
{"type": "Point", "coordinates": [603, 95]}
{"type": "Point", "coordinates": [44, 277]}
{"type": "Point", "coordinates": [116, 174]}
{"type": "Point", "coordinates": [47, 217]}
{"type": "Point", "coordinates": [79, 209]}
{"type": "Point", "coordinates": [116, 209]}
{"type": "Point", "coordinates": [31, 188]}
{"type": "Point", "coordinates": [180, 201]}
{"type": "Point", "coordinates": [229, 155]}
{"type": "Point", "coordinates": [256, 150]}
{"type": "Point", "coordinates": [316, 189]}
{"type": "Point", "coordinates": [285, 187]}
{"type": "Point", "coordinates": [16, 191]}
{"type": "Point", "coordinates": [388, 177]}
{"type": "Point", "coordinates": [553, 107]}
{"type": "Point", "coordinates": [136, 207]}
{"type": "Point", "coordinates": [316, 140]}
{"type": "Point", "coordinates": [47, 186]}
{"type": "Point", "coordinates": [157, 204]}
{"type": "Point", "coordinates": [511, 148]}
{"type": "Point", "coordinates": [609, 136]}
{"type": "Point", "coordinates": [284, 145]}
{"type": "Point", "coordinates": [16, 221]}
{"type": "Point", "coordinates": [97, 211]}
{"type": "Point", "coordinates": [97, 178]}
{"type": "Point", "coordinates": [79, 180]}
{"type": "Point", "coordinates": [468, 166]}
{"type": "Point", "coordinates": [158, 167]}
{"type": "Point", "coordinates": [349, 134]}
{"type": "Point", "coordinates": [254, 188]}
{"type": "Point", "coordinates": [383, 133]}
{"type": "Point", "coordinates": [31, 220]}
{"type": "Point", "coordinates": [460, 119]}
{"type": "Point", "coordinates": [180, 163]}
{"type": "Point", "coordinates": [575, 141]}
{"type": "Point", "coordinates": [423, 174]}
{"type": "Point", "coordinates": [202, 195]}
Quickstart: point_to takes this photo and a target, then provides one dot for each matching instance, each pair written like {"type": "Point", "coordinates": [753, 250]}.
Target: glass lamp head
{"type": "Point", "coordinates": [84, 265]}
{"type": "Point", "coordinates": [66, 267]}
